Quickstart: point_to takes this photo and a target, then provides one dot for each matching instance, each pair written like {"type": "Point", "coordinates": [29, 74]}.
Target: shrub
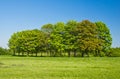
{"type": "Point", "coordinates": [115, 52]}
{"type": "Point", "coordinates": [4, 51]}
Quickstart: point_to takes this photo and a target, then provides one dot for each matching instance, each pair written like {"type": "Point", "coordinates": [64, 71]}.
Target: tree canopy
{"type": "Point", "coordinates": [73, 38]}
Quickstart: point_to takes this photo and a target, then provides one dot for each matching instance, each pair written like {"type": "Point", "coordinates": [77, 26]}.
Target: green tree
{"type": "Point", "coordinates": [86, 37]}
{"type": "Point", "coordinates": [104, 36]}
{"type": "Point", "coordinates": [70, 37]}
{"type": "Point", "coordinates": [29, 41]}
{"type": "Point", "coordinates": [4, 51]}
{"type": "Point", "coordinates": [56, 38]}
{"type": "Point", "coordinates": [47, 29]}
{"type": "Point", "coordinates": [13, 42]}
{"type": "Point", "coordinates": [74, 38]}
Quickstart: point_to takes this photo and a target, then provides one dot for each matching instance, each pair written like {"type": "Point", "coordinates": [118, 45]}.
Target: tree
{"type": "Point", "coordinates": [4, 51]}
{"type": "Point", "coordinates": [47, 29]}
{"type": "Point", "coordinates": [86, 37]}
{"type": "Point", "coordinates": [74, 38]}
{"type": "Point", "coordinates": [105, 37]}
{"type": "Point", "coordinates": [56, 38]}
{"type": "Point", "coordinates": [13, 42]}
{"type": "Point", "coordinates": [29, 41]}
{"type": "Point", "coordinates": [70, 37]}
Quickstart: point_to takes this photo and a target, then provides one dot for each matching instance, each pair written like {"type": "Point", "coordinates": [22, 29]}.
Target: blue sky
{"type": "Point", "coordinates": [17, 15]}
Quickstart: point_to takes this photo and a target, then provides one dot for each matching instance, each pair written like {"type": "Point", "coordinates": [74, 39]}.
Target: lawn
{"type": "Point", "coordinates": [59, 67]}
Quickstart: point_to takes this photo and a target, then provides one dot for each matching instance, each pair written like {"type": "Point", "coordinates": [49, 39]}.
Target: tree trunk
{"type": "Point", "coordinates": [47, 53]}
{"type": "Point", "coordinates": [22, 53]}
{"type": "Point", "coordinates": [74, 53]}
{"type": "Point", "coordinates": [64, 53]}
{"type": "Point", "coordinates": [27, 53]}
{"type": "Point", "coordinates": [60, 53]}
{"type": "Point", "coordinates": [36, 54]}
{"type": "Point", "coordinates": [97, 54]}
{"type": "Point", "coordinates": [41, 54]}
{"type": "Point", "coordinates": [51, 53]}
{"type": "Point", "coordinates": [13, 52]}
{"type": "Point", "coordinates": [68, 53]}
{"type": "Point", "coordinates": [82, 54]}
{"type": "Point", "coordinates": [32, 53]}
{"type": "Point", "coordinates": [18, 53]}
{"type": "Point", "coordinates": [54, 53]}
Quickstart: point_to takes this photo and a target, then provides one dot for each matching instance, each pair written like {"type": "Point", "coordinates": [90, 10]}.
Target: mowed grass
{"type": "Point", "coordinates": [59, 67]}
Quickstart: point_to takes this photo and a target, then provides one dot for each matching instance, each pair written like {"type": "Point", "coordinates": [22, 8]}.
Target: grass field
{"type": "Point", "coordinates": [59, 67]}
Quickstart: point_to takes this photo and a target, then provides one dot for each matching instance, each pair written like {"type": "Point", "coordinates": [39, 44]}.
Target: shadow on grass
{"type": "Point", "coordinates": [49, 56]}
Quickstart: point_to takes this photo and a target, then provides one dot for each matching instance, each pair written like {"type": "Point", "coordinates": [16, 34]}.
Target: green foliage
{"type": "Point", "coordinates": [47, 28]}
{"type": "Point", "coordinates": [105, 36]}
{"type": "Point", "coordinates": [29, 41]}
{"type": "Point", "coordinates": [72, 38]}
{"type": "Point", "coordinates": [86, 37]}
{"type": "Point", "coordinates": [56, 38]}
{"type": "Point", "coordinates": [115, 52]}
{"type": "Point", "coordinates": [4, 51]}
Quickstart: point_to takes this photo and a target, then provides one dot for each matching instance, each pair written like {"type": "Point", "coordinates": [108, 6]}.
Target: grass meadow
{"type": "Point", "coordinates": [59, 67]}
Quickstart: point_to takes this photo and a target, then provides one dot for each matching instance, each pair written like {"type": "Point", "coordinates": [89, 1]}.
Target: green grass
{"type": "Point", "coordinates": [59, 67]}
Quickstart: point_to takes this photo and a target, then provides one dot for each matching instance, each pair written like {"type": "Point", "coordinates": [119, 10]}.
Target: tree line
{"type": "Point", "coordinates": [73, 38]}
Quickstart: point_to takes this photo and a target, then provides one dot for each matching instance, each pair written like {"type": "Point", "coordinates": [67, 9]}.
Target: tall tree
{"type": "Point", "coordinates": [104, 36]}
{"type": "Point", "coordinates": [29, 41]}
{"type": "Point", "coordinates": [70, 37]}
{"type": "Point", "coordinates": [13, 42]}
{"type": "Point", "coordinates": [56, 38]}
{"type": "Point", "coordinates": [86, 37]}
{"type": "Point", "coordinates": [47, 29]}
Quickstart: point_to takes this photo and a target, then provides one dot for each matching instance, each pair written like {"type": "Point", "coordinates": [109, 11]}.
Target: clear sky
{"type": "Point", "coordinates": [17, 15]}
